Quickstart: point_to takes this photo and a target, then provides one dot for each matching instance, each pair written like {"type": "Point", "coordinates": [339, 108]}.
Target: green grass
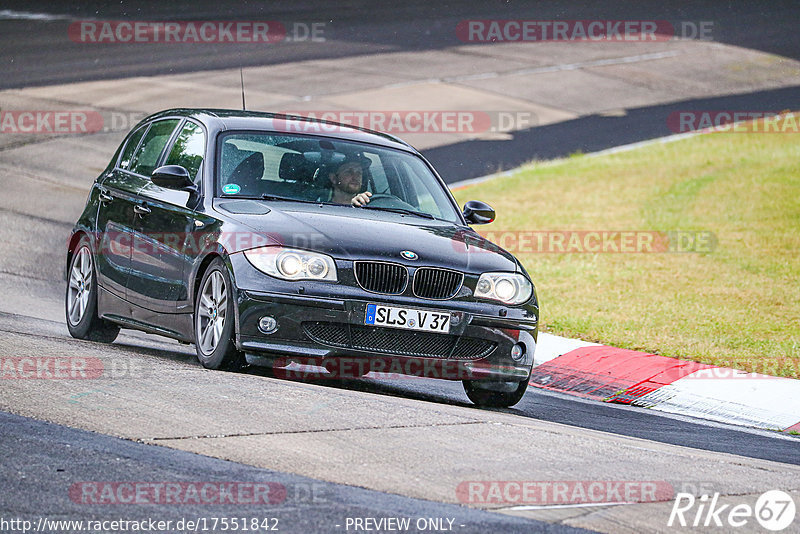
{"type": "Point", "coordinates": [736, 306]}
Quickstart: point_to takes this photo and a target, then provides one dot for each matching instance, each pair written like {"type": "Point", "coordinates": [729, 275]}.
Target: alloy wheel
{"type": "Point", "coordinates": [80, 285]}
{"type": "Point", "coordinates": [211, 312]}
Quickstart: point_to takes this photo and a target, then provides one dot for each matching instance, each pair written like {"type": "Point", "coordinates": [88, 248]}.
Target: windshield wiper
{"type": "Point", "coordinates": [268, 196]}
{"type": "Point", "coordinates": [402, 211]}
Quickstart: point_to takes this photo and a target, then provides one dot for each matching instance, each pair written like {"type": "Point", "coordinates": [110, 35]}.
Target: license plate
{"type": "Point", "coordinates": [408, 318]}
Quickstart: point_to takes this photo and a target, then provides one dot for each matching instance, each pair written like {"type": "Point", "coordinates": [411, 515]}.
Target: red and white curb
{"type": "Point", "coordinates": [666, 384]}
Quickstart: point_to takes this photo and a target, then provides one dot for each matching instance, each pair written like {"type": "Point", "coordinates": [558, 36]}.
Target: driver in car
{"type": "Point", "coordinates": [347, 182]}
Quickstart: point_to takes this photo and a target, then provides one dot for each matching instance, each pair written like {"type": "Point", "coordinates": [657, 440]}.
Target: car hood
{"type": "Point", "coordinates": [350, 233]}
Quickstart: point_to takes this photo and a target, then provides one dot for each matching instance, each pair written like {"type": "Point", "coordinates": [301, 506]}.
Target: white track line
{"type": "Point", "coordinates": [8, 14]}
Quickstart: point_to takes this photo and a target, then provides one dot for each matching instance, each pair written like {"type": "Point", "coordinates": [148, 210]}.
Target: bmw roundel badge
{"type": "Point", "coordinates": [407, 254]}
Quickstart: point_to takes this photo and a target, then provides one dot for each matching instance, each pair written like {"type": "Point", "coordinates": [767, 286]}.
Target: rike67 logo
{"type": "Point", "coordinates": [774, 510]}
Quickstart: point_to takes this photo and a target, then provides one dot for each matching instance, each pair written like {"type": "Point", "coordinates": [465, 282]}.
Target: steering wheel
{"type": "Point", "coordinates": [383, 200]}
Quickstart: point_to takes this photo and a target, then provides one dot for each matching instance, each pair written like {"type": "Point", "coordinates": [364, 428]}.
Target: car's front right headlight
{"type": "Point", "coordinates": [510, 288]}
{"type": "Point", "coordinates": [292, 264]}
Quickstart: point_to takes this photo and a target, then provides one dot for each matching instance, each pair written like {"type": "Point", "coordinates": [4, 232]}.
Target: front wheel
{"type": "Point", "coordinates": [214, 320]}
{"type": "Point", "coordinates": [81, 299]}
{"type": "Point", "coordinates": [495, 394]}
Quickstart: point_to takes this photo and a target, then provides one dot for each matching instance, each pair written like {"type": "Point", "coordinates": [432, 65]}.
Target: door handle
{"type": "Point", "coordinates": [141, 209]}
{"type": "Point", "coordinates": [105, 197]}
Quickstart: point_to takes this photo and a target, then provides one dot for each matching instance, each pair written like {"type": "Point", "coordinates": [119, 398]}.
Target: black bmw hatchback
{"type": "Point", "coordinates": [276, 240]}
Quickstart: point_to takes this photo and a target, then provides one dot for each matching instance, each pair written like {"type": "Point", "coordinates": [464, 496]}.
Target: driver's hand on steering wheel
{"type": "Point", "coordinates": [361, 199]}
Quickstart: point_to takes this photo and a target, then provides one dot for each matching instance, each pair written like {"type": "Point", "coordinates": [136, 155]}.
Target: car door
{"type": "Point", "coordinates": [115, 217]}
{"type": "Point", "coordinates": [165, 218]}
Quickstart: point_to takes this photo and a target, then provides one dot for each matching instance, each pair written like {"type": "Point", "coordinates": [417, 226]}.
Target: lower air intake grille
{"type": "Point", "coordinates": [392, 341]}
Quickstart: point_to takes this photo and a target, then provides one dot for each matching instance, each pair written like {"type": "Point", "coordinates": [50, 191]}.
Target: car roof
{"type": "Point", "coordinates": [229, 119]}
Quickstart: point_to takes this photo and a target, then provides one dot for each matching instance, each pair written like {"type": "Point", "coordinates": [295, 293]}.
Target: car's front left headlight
{"type": "Point", "coordinates": [510, 288]}
{"type": "Point", "coordinates": [292, 264]}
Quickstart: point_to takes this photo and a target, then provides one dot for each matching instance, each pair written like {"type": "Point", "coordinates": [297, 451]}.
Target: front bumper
{"type": "Point", "coordinates": [323, 324]}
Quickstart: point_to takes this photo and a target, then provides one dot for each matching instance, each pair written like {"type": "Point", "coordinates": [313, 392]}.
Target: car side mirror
{"type": "Point", "coordinates": [173, 177]}
{"type": "Point", "coordinates": [477, 212]}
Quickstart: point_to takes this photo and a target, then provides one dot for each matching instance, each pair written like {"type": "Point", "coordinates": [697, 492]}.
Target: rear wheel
{"type": "Point", "coordinates": [81, 299]}
{"type": "Point", "coordinates": [214, 320]}
{"type": "Point", "coordinates": [495, 394]}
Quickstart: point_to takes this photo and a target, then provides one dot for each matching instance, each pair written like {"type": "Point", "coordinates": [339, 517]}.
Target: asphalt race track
{"type": "Point", "coordinates": [352, 30]}
{"type": "Point", "coordinates": [363, 433]}
{"type": "Point", "coordinates": [419, 26]}
{"type": "Point", "coordinates": [362, 447]}
{"type": "Point", "coordinates": [312, 505]}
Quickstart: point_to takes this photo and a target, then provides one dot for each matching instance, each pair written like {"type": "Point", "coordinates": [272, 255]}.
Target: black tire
{"type": "Point", "coordinates": [221, 354]}
{"type": "Point", "coordinates": [490, 398]}
{"type": "Point", "coordinates": [82, 284]}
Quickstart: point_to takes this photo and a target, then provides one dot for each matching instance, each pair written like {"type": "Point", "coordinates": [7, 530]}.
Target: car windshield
{"type": "Point", "coordinates": [307, 168]}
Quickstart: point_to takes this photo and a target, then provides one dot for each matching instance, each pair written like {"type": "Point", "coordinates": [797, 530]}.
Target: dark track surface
{"type": "Point", "coordinates": [587, 134]}
{"type": "Point", "coordinates": [37, 53]}
{"type": "Point", "coordinates": [40, 53]}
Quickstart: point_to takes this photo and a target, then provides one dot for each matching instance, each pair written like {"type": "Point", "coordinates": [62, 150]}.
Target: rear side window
{"type": "Point", "coordinates": [145, 160]}
{"type": "Point", "coordinates": [133, 142]}
{"type": "Point", "coordinates": [189, 149]}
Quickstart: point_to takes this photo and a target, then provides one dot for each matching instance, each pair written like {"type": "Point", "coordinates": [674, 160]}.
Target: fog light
{"type": "Point", "coordinates": [517, 352]}
{"type": "Point", "coordinates": [267, 324]}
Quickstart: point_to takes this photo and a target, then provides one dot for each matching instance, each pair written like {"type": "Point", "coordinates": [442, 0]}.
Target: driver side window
{"type": "Point", "coordinates": [188, 150]}
{"type": "Point", "coordinates": [146, 158]}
